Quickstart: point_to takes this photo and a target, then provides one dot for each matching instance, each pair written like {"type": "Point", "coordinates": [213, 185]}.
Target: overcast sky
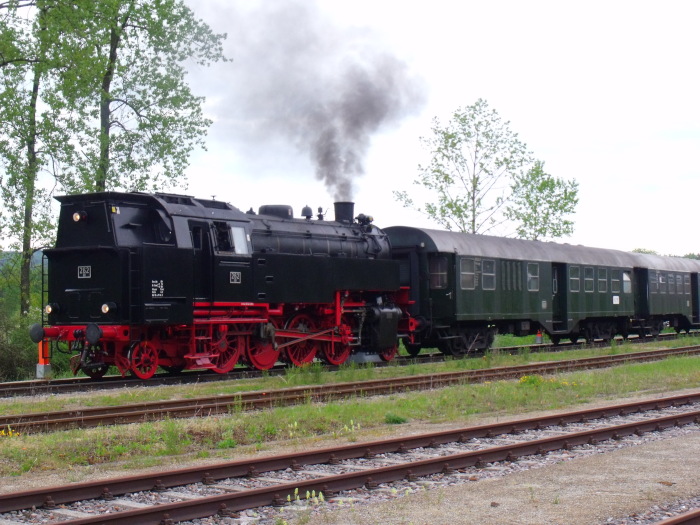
{"type": "Point", "coordinates": [604, 92]}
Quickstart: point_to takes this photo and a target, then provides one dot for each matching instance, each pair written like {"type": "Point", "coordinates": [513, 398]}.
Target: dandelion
{"type": "Point", "coordinates": [9, 432]}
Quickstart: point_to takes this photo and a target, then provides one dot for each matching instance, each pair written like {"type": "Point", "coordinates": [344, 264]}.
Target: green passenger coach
{"type": "Point", "coordinates": [465, 288]}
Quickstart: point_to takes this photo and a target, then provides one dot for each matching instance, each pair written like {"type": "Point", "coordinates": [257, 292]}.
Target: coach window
{"type": "Point", "coordinates": [679, 284]}
{"type": "Point", "coordinates": [626, 282]}
{"type": "Point", "coordinates": [671, 283]}
{"type": "Point", "coordinates": [575, 278]}
{"type": "Point", "coordinates": [602, 280]}
{"type": "Point", "coordinates": [438, 272]}
{"type": "Point", "coordinates": [686, 284]}
{"type": "Point", "coordinates": [653, 282]}
{"type": "Point", "coordinates": [533, 277]}
{"type": "Point", "coordinates": [662, 282]}
{"type": "Point", "coordinates": [615, 281]}
{"type": "Point", "coordinates": [467, 271]}
{"type": "Point", "coordinates": [588, 279]}
{"type": "Point", "coordinates": [488, 275]}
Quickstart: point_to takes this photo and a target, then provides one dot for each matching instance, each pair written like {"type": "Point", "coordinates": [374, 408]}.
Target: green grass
{"type": "Point", "coordinates": [171, 441]}
{"type": "Point", "coordinates": [314, 375]}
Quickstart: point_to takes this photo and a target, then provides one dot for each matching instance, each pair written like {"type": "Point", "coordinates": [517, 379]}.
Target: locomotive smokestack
{"type": "Point", "coordinates": [344, 211]}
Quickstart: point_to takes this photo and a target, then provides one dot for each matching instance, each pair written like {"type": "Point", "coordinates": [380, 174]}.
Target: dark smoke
{"type": "Point", "coordinates": [297, 77]}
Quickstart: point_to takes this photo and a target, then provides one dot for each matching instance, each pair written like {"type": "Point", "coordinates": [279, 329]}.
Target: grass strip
{"type": "Point", "coordinates": [173, 441]}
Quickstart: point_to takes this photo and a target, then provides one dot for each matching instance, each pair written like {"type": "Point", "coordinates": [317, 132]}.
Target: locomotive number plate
{"type": "Point", "coordinates": [235, 278]}
{"type": "Point", "coordinates": [84, 272]}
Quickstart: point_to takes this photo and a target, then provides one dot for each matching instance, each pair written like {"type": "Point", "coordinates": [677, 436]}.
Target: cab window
{"type": "Point", "coordinates": [230, 239]}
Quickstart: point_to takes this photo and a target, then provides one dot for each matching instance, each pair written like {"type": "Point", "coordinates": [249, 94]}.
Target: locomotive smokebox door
{"type": "Point", "coordinates": [383, 325]}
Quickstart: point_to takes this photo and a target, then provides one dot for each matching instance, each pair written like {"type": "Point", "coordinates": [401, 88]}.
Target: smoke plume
{"type": "Point", "coordinates": [297, 77]}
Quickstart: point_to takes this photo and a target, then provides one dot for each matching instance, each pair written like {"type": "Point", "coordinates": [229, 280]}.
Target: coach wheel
{"type": "Point", "coordinates": [144, 360]}
{"type": "Point", "coordinates": [228, 358]}
{"type": "Point", "coordinates": [304, 351]}
{"type": "Point", "coordinates": [656, 328]}
{"type": "Point", "coordinates": [387, 354]}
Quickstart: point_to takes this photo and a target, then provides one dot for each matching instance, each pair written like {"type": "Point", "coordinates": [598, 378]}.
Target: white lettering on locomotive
{"type": "Point", "coordinates": [235, 278]}
{"type": "Point", "coordinates": [157, 288]}
{"type": "Point", "coordinates": [84, 272]}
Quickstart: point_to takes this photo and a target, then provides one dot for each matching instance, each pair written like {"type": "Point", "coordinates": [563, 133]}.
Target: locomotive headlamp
{"type": "Point", "coordinates": [79, 216]}
{"type": "Point", "coordinates": [51, 308]}
{"type": "Point", "coordinates": [108, 308]}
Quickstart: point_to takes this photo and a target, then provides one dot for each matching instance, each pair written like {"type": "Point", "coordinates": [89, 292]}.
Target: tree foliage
{"type": "Point", "coordinates": [481, 175]}
{"type": "Point", "coordinates": [93, 97]}
{"type": "Point", "coordinates": [540, 203]}
{"type": "Point", "coordinates": [473, 158]}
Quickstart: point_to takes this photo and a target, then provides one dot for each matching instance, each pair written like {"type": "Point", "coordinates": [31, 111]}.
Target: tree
{"type": "Point", "coordinates": [93, 94]}
{"type": "Point", "coordinates": [473, 159]}
{"type": "Point", "coordinates": [539, 204]}
{"type": "Point", "coordinates": [31, 139]}
{"type": "Point", "coordinates": [140, 119]}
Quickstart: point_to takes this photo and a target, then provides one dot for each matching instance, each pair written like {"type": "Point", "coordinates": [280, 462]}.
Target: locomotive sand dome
{"type": "Point", "coordinates": [140, 281]}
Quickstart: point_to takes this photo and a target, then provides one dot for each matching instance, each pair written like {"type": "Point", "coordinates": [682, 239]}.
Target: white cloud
{"type": "Point", "coordinates": [603, 92]}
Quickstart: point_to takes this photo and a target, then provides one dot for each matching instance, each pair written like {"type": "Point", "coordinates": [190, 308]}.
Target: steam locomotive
{"type": "Point", "coordinates": [141, 281]}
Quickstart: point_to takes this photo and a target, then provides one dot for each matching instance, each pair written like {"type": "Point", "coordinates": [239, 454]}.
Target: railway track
{"type": "Point", "coordinates": [82, 384]}
{"type": "Point", "coordinates": [227, 488]}
{"type": "Point", "coordinates": [207, 406]}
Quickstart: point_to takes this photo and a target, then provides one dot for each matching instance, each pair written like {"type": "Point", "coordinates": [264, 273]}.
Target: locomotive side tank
{"type": "Point", "coordinates": [140, 281]}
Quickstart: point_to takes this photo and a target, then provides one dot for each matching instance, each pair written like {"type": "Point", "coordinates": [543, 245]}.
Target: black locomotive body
{"type": "Point", "coordinates": [465, 288]}
{"type": "Point", "coordinates": [140, 281]}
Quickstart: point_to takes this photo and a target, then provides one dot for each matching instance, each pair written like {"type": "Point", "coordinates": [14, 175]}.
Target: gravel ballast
{"type": "Point", "coordinates": [598, 489]}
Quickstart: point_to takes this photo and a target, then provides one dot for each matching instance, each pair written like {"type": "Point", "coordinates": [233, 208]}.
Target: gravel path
{"type": "Point", "coordinates": [637, 484]}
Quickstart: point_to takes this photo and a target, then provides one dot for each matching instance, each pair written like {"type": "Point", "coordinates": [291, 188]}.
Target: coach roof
{"type": "Point", "coordinates": [472, 245]}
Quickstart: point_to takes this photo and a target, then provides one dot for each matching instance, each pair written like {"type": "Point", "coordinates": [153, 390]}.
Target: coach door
{"type": "Point", "coordinates": [695, 297]}
{"type": "Point", "coordinates": [441, 271]}
{"type": "Point", "coordinates": [202, 260]}
{"type": "Point", "coordinates": [559, 291]}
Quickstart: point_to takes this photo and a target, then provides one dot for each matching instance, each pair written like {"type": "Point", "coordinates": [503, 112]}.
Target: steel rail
{"type": "Point", "coordinates": [207, 406]}
{"type": "Point", "coordinates": [248, 467]}
{"type": "Point", "coordinates": [224, 504]}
